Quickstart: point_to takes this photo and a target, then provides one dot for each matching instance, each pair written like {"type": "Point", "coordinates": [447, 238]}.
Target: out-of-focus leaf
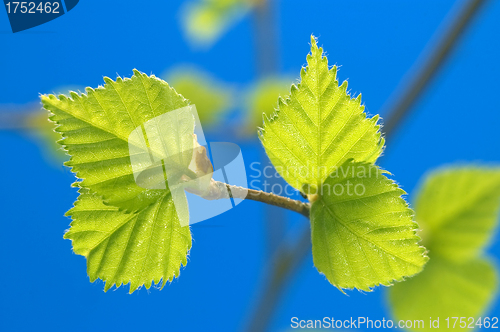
{"type": "Point", "coordinates": [445, 289]}
{"type": "Point", "coordinates": [261, 98]}
{"type": "Point", "coordinates": [204, 21]}
{"type": "Point", "coordinates": [212, 97]}
{"type": "Point", "coordinates": [457, 209]}
{"type": "Point", "coordinates": [43, 130]}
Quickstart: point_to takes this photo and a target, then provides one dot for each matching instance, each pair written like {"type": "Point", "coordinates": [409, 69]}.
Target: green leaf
{"type": "Point", "coordinates": [120, 247]}
{"type": "Point", "coordinates": [41, 130]}
{"type": "Point", "coordinates": [458, 209]}
{"type": "Point", "coordinates": [205, 21]}
{"type": "Point", "coordinates": [211, 97]}
{"type": "Point", "coordinates": [363, 233]}
{"type": "Point", "coordinates": [318, 134]}
{"type": "Point", "coordinates": [318, 127]}
{"type": "Point", "coordinates": [445, 289]}
{"type": "Point", "coordinates": [99, 131]}
{"type": "Point", "coordinates": [96, 126]}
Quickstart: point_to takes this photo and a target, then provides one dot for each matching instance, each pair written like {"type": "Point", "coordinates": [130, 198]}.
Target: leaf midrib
{"type": "Point", "coordinates": [335, 217]}
{"type": "Point", "coordinates": [90, 123]}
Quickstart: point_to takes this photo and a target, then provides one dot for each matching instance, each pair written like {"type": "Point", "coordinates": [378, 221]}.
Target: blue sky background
{"type": "Point", "coordinates": [45, 286]}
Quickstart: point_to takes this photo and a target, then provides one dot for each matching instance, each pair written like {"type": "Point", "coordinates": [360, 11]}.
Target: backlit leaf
{"type": "Point", "coordinates": [137, 248]}
{"type": "Point", "coordinates": [318, 127]}
{"type": "Point", "coordinates": [96, 127]}
{"type": "Point", "coordinates": [129, 234]}
{"type": "Point", "coordinates": [363, 233]}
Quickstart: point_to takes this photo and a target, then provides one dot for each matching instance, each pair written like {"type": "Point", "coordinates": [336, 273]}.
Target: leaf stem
{"type": "Point", "coordinates": [265, 197]}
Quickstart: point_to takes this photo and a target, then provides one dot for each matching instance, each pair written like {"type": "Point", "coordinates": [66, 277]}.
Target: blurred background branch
{"type": "Point", "coordinates": [404, 97]}
{"type": "Point", "coordinates": [16, 117]}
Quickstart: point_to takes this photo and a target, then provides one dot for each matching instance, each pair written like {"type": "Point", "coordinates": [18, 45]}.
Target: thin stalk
{"type": "Point", "coordinates": [264, 197]}
{"type": "Point", "coordinates": [265, 34]}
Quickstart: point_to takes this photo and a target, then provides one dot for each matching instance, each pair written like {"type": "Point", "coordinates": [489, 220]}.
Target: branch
{"type": "Point", "coordinates": [404, 100]}
{"type": "Point", "coordinates": [267, 57]}
{"type": "Point", "coordinates": [287, 259]}
{"type": "Point", "coordinates": [265, 35]}
{"type": "Point", "coordinates": [260, 196]}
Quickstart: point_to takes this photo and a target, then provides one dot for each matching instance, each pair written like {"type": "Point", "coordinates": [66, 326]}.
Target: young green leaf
{"type": "Point", "coordinates": [137, 248]}
{"type": "Point", "coordinates": [444, 290]}
{"type": "Point", "coordinates": [99, 129]}
{"type": "Point", "coordinates": [318, 127]}
{"type": "Point", "coordinates": [363, 233]}
{"type": "Point", "coordinates": [458, 210]}
{"type": "Point", "coordinates": [96, 126]}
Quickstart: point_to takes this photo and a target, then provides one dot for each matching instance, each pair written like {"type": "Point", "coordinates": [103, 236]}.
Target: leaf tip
{"type": "Point", "coordinates": [313, 41]}
{"type": "Point", "coordinates": [316, 52]}
{"type": "Point", "coordinates": [108, 285]}
{"type": "Point", "coordinates": [137, 72]}
{"type": "Point", "coordinates": [358, 100]}
{"type": "Point", "coordinates": [108, 80]}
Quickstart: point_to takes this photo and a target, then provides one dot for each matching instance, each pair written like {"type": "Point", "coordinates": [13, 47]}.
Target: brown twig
{"type": "Point", "coordinates": [271, 199]}
{"type": "Point", "coordinates": [264, 197]}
